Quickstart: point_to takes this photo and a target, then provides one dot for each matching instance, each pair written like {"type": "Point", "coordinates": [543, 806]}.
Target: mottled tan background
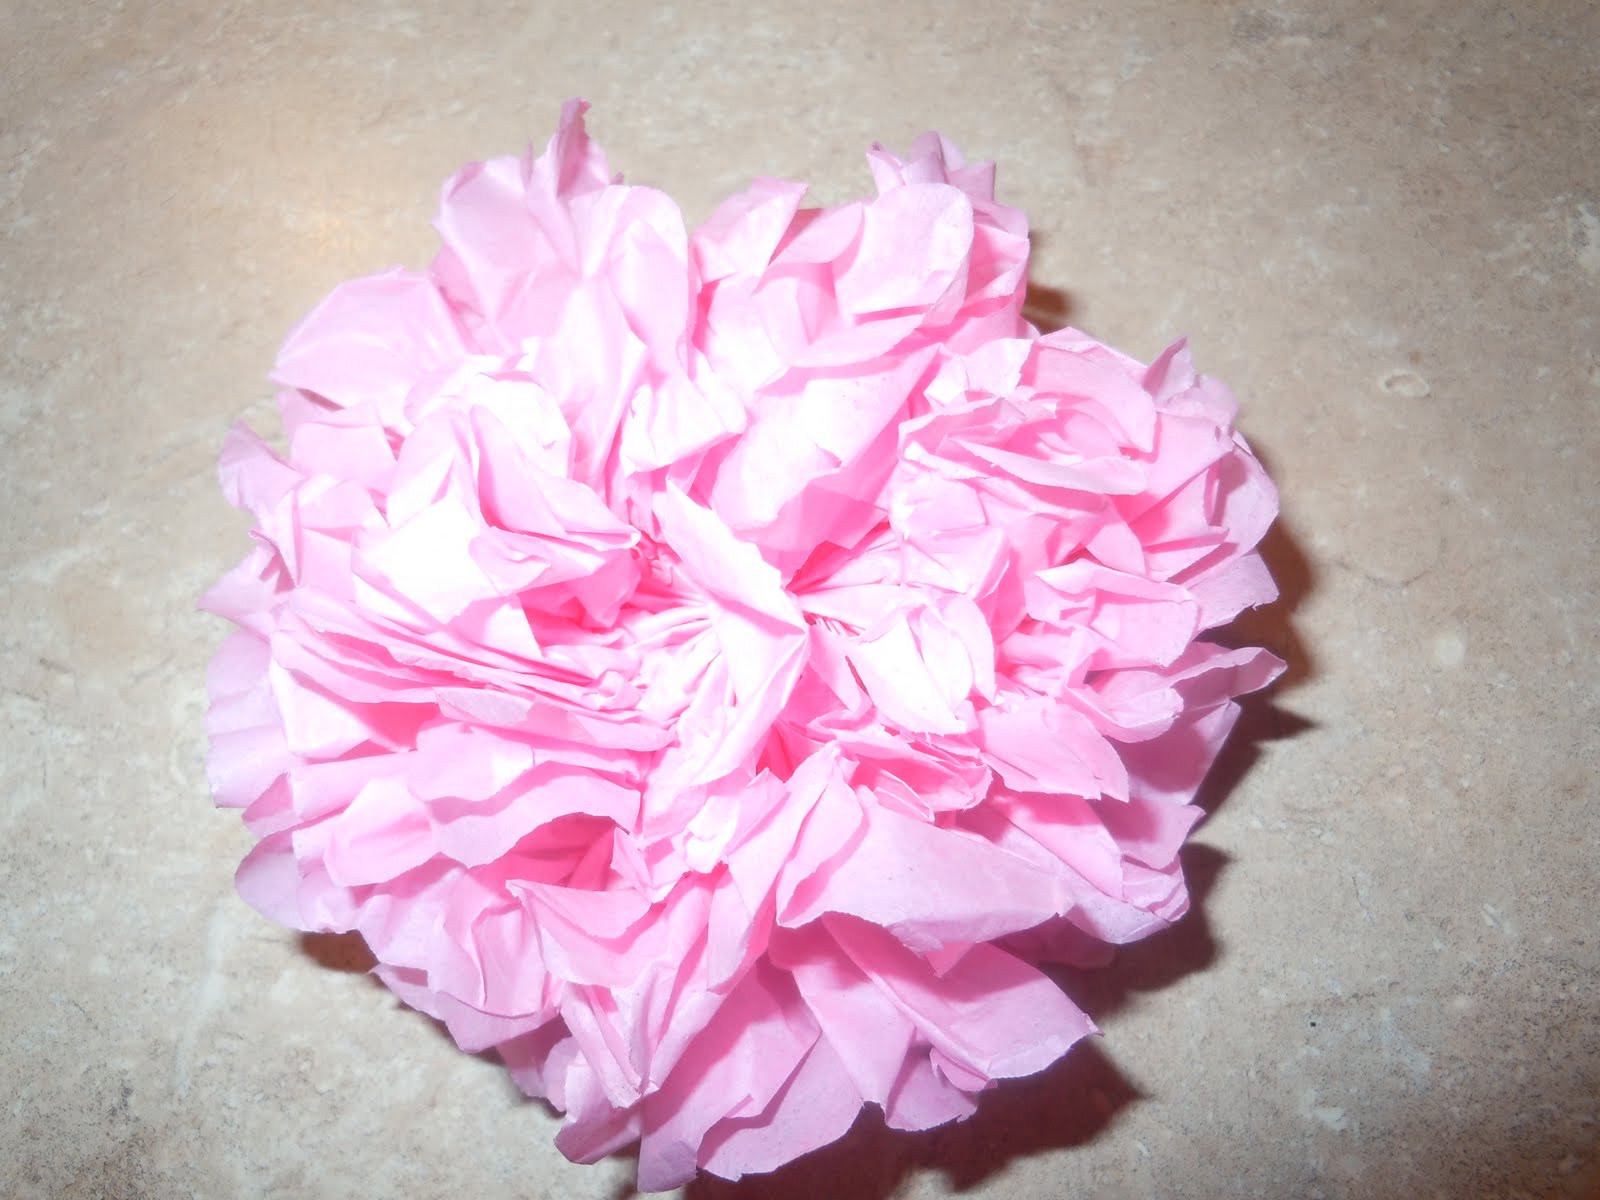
{"type": "Point", "coordinates": [1379, 222]}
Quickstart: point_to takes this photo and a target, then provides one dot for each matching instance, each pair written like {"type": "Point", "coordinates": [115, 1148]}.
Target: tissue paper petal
{"type": "Point", "coordinates": [714, 668]}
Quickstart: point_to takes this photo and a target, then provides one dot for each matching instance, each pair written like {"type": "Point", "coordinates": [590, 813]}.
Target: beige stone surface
{"type": "Point", "coordinates": [1380, 223]}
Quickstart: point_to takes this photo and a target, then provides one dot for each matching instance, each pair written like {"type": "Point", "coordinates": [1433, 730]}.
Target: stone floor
{"type": "Point", "coordinates": [1379, 223]}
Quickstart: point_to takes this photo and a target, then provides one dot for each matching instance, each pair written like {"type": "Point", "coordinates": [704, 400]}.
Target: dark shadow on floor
{"type": "Point", "coordinates": [345, 952]}
{"type": "Point", "coordinates": [1047, 308]}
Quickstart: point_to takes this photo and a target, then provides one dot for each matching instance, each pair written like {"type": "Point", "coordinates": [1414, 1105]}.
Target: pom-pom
{"type": "Point", "coordinates": [714, 670]}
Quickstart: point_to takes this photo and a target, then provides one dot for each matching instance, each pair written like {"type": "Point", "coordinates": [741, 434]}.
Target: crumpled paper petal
{"type": "Point", "coordinates": [714, 668]}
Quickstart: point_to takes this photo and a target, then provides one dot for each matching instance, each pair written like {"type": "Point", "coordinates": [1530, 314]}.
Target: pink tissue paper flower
{"type": "Point", "coordinates": [715, 670]}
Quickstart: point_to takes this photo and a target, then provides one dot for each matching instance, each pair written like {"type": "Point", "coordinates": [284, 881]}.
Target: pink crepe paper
{"type": "Point", "coordinates": [713, 670]}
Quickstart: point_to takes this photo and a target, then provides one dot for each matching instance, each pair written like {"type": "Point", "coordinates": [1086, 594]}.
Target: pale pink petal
{"type": "Point", "coordinates": [926, 224]}
{"type": "Point", "coordinates": [741, 236]}
{"type": "Point", "coordinates": [269, 880]}
{"type": "Point", "coordinates": [990, 1014]}
{"type": "Point", "coordinates": [383, 833]}
{"type": "Point", "coordinates": [871, 1035]}
{"type": "Point", "coordinates": [930, 886]}
{"type": "Point", "coordinates": [748, 1051]}
{"type": "Point", "coordinates": [816, 1106]}
{"type": "Point", "coordinates": [1040, 746]}
{"type": "Point", "coordinates": [371, 341]}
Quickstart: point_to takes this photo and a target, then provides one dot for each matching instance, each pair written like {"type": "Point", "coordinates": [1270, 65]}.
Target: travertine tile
{"type": "Point", "coordinates": [1380, 223]}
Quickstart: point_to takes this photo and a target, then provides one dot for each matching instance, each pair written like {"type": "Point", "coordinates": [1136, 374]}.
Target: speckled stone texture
{"type": "Point", "coordinates": [1379, 223]}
